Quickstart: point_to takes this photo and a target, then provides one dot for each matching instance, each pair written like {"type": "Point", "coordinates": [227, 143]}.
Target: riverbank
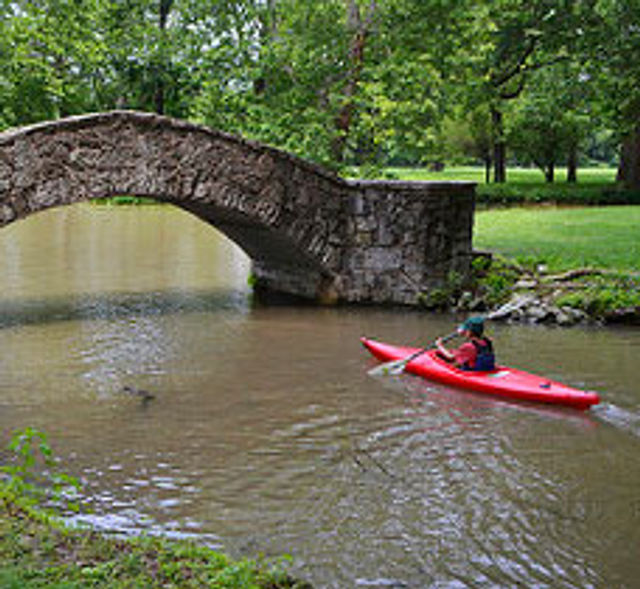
{"type": "Point", "coordinates": [510, 292]}
{"type": "Point", "coordinates": [37, 550]}
{"type": "Point", "coordinates": [559, 265]}
{"type": "Point", "coordinates": [559, 252]}
{"type": "Point", "coordinates": [551, 265]}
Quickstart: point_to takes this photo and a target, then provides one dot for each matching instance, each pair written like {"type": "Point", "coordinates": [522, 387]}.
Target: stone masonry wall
{"type": "Point", "coordinates": [308, 232]}
{"type": "Point", "coordinates": [406, 238]}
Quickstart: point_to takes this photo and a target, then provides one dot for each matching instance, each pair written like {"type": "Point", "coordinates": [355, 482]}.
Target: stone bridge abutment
{"type": "Point", "coordinates": [308, 232]}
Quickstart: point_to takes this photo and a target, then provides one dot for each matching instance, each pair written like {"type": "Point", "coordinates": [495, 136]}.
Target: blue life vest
{"type": "Point", "coordinates": [485, 358]}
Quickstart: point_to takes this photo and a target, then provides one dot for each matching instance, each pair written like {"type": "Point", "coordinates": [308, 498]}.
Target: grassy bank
{"type": "Point", "coordinates": [582, 257]}
{"type": "Point", "coordinates": [563, 238]}
{"type": "Point", "coordinates": [587, 259]}
{"type": "Point", "coordinates": [38, 550]}
{"type": "Point", "coordinates": [124, 200]}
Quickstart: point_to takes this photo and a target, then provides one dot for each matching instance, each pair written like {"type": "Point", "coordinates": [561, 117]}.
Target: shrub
{"type": "Point", "coordinates": [598, 300]}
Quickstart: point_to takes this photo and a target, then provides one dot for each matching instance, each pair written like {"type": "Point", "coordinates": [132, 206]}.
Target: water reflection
{"type": "Point", "coordinates": [266, 435]}
{"type": "Point", "coordinates": [114, 306]}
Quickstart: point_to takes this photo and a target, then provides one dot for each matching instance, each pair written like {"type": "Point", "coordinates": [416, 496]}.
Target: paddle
{"type": "Point", "coordinates": [397, 366]}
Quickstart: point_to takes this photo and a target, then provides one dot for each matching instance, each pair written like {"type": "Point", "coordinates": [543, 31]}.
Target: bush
{"type": "Point", "coordinates": [600, 299]}
{"type": "Point", "coordinates": [578, 194]}
{"type": "Point", "coordinates": [494, 279]}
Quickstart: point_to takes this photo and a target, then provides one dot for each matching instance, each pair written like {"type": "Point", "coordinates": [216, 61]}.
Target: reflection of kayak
{"type": "Point", "coordinates": [503, 381]}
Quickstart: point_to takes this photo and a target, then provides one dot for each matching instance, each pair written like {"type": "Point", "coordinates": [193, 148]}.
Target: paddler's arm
{"type": "Point", "coordinates": [446, 354]}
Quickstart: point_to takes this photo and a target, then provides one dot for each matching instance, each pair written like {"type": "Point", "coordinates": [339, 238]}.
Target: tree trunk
{"type": "Point", "coordinates": [572, 165]}
{"type": "Point", "coordinates": [268, 34]}
{"type": "Point", "coordinates": [164, 8]}
{"type": "Point", "coordinates": [499, 147]}
{"type": "Point", "coordinates": [361, 29]}
{"type": "Point", "coordinates": [629, 169]}
{"type": "Point", "coordinates": [487, 169]}
{"type": "Point", "coordinates": [550, 173]}
{"type": "Point", "coordinates": [158, 98]}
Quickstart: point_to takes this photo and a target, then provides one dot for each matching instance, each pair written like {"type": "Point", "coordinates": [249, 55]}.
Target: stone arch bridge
{"type": "Point", "coordinates": [308, 232]}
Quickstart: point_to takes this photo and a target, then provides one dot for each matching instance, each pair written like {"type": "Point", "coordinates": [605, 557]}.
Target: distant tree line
{"type": "Point", "coordinates": [346, 82]}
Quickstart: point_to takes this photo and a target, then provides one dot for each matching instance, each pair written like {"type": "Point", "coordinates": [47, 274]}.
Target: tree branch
{"type": "Point", "coordinates": [517, 67]}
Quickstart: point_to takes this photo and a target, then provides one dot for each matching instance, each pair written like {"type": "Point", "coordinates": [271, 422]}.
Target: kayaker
{"type": "Point", "coordinates": [476, 353]}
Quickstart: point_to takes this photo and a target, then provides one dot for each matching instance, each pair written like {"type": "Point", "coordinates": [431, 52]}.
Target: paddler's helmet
{"type": "Point", "coordinates": [475, 325]}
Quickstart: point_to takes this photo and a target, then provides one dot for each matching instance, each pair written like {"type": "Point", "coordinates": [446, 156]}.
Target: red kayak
{"type": "Point", "coordinates": [503, 381]}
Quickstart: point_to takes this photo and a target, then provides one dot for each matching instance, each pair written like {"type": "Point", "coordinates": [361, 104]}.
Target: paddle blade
{"type": "Point", "coordinates": [397, 366]}
{"type": "Point", "coordinates": [389, 368]}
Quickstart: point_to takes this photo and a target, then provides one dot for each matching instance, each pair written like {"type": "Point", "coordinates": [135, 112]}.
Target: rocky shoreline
{"type": "Point", "coordinates": [576, 297]}
{"type": "Point", "coordinates": [529, 308]}
{"type": "Point", "coordinates": [532, 309]}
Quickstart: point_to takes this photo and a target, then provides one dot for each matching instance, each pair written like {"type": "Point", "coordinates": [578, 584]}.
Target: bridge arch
{"type": "Point", "coordinates": [307, 231]}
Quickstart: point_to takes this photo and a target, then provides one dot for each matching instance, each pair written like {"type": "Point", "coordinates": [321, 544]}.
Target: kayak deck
{"type": "Point", "coordinates": [504, 381]}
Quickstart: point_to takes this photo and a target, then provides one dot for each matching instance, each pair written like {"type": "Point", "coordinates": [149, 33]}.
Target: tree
{"type": "Point", "coordinates": [551, 119]}
{"type": "Point", "coordinates": [342, 82]}
{"type": "Point", "coordinates": [468, 134]}
{"type": "Point", "coordinates": [50, 59]}
{"type": "Point", "coordinates": [505, 43]}
{"type": "Point", "coordinates": [327, 80]}
{"type": "Point", "coordinates": [285, 86]}
{"type": "Point", "coordinates": [612, 44]}
{"type": "Point", "coordinates": [543, 133]}
{"type": "Point", "coordinates": [156, 52]}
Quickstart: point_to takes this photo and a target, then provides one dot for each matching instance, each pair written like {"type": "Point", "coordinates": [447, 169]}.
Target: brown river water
{"type": "Point", "coordinates": [267, 436]}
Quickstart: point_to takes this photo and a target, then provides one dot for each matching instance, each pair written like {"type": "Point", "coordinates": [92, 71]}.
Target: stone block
{"type": "Point", "coordinates": [381, 259]}
{"type": "Point", "coordinates": [7, 214]}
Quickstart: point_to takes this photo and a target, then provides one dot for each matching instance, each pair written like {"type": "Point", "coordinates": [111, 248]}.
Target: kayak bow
{"type": "Point", "coordinates": [505, 382]}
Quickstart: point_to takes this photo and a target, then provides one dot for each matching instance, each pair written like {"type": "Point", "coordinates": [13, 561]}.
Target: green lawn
{"type": "Point", "coordinates": [563, 238]}
{"type": "Point", "coordinates": [604, 175]}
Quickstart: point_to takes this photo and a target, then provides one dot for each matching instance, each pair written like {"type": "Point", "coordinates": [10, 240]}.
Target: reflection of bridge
{"type": "Point", "coordinates": [308, 232]}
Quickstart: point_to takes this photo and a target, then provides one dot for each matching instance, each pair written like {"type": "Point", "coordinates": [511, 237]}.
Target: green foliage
{"type": "Point", "coordinates": [341, 82]}
{"type": "Point", "coordinates": [435, 299]}
{"type": "Point", "coordinates": [494, 279]}
{"type": "Point", "coordinates": [50, 57]}
{"type": "Point", "coordinates": [37, 553]}
{"type": "Point", "coordinates": [31, 472]}
{"type": "Point", "coordinates": [124, 200]}
{"type": "Point", "coordinates": [595, 186]}
{"type": "Point", "coordinates": [446, 296]}
{"type": "Point", "coordinates": [610, 46]}
{"type": "Point", "coordinates": [604, 296]}
{"type": "Point", "coordinates": [513, 193]}
{"type": "Point", "coordinates": [467, 136]}
{"type": "Point", "coordinates": [545, 126]}
{"type": "Point", "coordinates": [281, 93]}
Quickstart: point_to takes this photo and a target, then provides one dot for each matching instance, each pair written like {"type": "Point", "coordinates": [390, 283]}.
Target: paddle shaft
{"type": "Point", "coordinates": [446, 338]}
{"type": "Point", "coordinates": [397, 366]}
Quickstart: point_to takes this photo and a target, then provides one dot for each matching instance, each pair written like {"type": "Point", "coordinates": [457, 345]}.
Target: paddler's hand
{"type": "Point", "coordinates": [446, 354]}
